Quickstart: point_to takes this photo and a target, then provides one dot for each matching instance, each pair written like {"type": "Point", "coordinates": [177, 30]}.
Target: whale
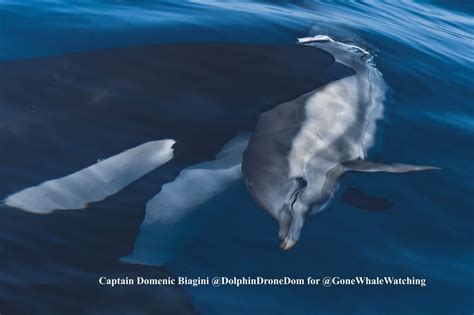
{"type": "Point", "coordinates": [87, 138]}
{"type": "Point", "coordinates": [186, 102]}
{"type": "Point", "coordinates": [175, 125]}
{"type": "Point", "coordinates": [300, 149]}
{"type": "Point", "coordinates": [81, 110]}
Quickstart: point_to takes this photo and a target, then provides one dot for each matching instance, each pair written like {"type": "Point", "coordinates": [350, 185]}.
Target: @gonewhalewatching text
{"type": "Point", "coordinates": [219, 281]}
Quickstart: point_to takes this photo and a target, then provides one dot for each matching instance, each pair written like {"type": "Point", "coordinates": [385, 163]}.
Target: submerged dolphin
{"type": "Point", "coordinates": [301, 148]}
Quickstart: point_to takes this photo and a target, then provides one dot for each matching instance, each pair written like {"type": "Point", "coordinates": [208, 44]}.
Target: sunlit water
{"type": "Point", "coordinates": [49, 264]}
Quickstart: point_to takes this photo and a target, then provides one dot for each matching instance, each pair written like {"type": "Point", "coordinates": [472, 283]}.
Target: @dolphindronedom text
{"type": "Point", "coordinates": [262, 281]}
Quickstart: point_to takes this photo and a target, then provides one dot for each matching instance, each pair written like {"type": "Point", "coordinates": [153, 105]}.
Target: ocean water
{"type": "Point", "coordinates": [50, 263]}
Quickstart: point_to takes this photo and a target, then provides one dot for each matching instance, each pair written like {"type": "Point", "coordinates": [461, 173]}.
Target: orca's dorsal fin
{"type": "Point", "coordinates": [369, 166]}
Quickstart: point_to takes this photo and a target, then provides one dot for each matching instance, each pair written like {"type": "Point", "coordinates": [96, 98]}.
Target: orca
{"type": "Point", "coordinates": [119, 114]}
{"type": "Point", "coordinates": [63, 113]}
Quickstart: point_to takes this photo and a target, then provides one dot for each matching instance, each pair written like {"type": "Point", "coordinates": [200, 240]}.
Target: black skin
{"type": "Point", "coordinates": [60, 114]}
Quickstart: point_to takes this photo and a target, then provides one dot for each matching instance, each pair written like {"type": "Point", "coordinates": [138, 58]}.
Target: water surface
{"type": "Point", "coordinates": [50, 263]}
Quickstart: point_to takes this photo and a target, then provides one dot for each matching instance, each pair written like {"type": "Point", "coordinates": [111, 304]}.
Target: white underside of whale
{"type": "Point", "coordinates": [95, 182]}
{"type": "Point", "coordinates": [160, 231]}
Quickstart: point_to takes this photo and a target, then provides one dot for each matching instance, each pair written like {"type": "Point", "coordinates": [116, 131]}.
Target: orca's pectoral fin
{"type": "Point", "coordinates": [368, 166]}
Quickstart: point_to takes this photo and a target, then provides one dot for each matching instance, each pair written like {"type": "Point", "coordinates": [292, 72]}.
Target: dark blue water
{"type": "Point", "coordinates": [49, 264]}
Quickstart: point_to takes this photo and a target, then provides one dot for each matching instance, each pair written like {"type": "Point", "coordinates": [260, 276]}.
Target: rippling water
{"type": "Point", "coordinates": [49, 264]}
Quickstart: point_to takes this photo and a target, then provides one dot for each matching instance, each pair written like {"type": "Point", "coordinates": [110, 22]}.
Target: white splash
{"type": "Point", "coordinates": [93, 183]}
{"type": "Point", "coordinates": [193, 187]}
{"type": "Point", "coordinates": [325, 38]}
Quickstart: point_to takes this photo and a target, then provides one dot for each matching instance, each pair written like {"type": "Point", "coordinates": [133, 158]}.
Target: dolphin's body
{"type": "Point", "coordinates": [302, 147]}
